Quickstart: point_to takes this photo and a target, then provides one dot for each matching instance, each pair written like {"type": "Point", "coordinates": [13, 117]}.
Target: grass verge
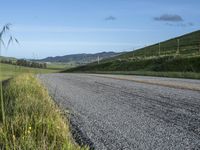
{"type": "Point", "coordinates": [32, 120]}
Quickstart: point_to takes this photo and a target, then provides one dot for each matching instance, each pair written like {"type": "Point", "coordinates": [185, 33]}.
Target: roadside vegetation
{"type": "Point", "coordinates": [31, 119]}
{"type": "Point", "coordinates": [177, 67]}
{"type": "Point", "coordinates": [162, 64]}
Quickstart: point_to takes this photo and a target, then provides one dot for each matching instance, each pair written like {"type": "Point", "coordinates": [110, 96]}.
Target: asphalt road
{"type": "Point", "coordinates": [129, 112]}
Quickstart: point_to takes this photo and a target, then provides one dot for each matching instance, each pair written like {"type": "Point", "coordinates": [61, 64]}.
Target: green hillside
{"type": "Point", "coordinates": [181, 54]}
{"type": "Point", "coordinates": [188, 44]}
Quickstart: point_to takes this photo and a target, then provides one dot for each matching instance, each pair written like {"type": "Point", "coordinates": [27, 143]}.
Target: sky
{"type": "Point", "coordinates": [61, 27]}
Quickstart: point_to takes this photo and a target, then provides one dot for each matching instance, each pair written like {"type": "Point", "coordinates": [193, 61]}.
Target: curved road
{"type": "Point", "coordinates": [129, 112]}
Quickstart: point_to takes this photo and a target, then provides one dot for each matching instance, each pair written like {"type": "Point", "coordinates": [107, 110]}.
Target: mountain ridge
{"type": "Point", "coordinates": [82, 58]}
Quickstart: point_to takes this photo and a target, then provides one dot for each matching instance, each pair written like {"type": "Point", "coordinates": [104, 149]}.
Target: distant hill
{"type": "Point", "coordinates": [7, 58]}
{"type": "Point", "coordinates": [80, 58]}
{"type": "Point", "coordinates": [180, 54]}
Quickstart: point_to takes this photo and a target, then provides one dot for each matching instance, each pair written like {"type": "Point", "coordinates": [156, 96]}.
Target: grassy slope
{"type": "Point", "coordinates": [147, 62]}
{"type": "Point", "coordinates": [178, 64]}
{"type": "Point", "coordinates": [33, 121]}
{"type": "Point", "coordinates": [189, 45]}
{"type": "Point", "coordinates": [8, 71]}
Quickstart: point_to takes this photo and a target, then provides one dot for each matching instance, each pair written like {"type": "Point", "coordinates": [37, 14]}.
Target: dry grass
{"type": "Point", "coordinates": [32, 120]}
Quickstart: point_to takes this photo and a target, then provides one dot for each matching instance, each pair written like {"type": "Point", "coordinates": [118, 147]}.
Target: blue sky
{"type": "Point", "coordinates": [61, 27]}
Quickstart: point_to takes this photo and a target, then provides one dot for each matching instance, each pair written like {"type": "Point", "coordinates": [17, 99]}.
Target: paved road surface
{"type": "Point", "coordinates": [130, 112]}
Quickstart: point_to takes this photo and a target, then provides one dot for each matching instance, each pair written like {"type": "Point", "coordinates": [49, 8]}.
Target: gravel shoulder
{"type": "Point", "coordinates": [129, 112]}
{"type": "Point", "coordinates": [188, 84]}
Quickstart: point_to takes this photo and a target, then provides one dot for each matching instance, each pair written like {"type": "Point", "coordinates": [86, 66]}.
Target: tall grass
{"type": "Point", "coordinates": [11, 39]}
{"type": "Point", "coordinates": [32, 120]}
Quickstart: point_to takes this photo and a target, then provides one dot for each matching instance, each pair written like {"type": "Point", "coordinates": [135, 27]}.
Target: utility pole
{"type": "Point", "coordinates": [145, 51]}
{"type": "Point", "coordinates": [159, 49]}
{"type": "Point", "coordinates": [178, 46]}
{"type": "Point", "coordinates": [199, 47]}
{"type": "Point", "coordinates": [98, 59]}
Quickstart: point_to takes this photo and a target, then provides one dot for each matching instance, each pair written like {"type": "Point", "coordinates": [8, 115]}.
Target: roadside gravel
{"type": "Point", "coordinates": [113, 112]}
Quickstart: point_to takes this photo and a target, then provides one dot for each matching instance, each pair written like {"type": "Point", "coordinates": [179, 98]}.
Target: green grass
{"type": "Point", "coordinates": [9, 71]}
{"type": "Point", "coordinates": [178, 67]}
{"type": "Point", "coordinates": [171, 64]}
{"type": "Point", "coordinates": [148, 61]}
{"type": "Point", "coordinates": [32, 120]}
{"type": "Point", "coordinates": [59, 66]}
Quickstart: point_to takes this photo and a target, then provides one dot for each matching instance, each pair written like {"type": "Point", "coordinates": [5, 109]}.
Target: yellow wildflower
{"type": "Point", "coordinates": [13, 137]}
{"type": "Point", "coordinates": [29, 131]}
{"type": "Point", "coordinates": [29, 128]}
